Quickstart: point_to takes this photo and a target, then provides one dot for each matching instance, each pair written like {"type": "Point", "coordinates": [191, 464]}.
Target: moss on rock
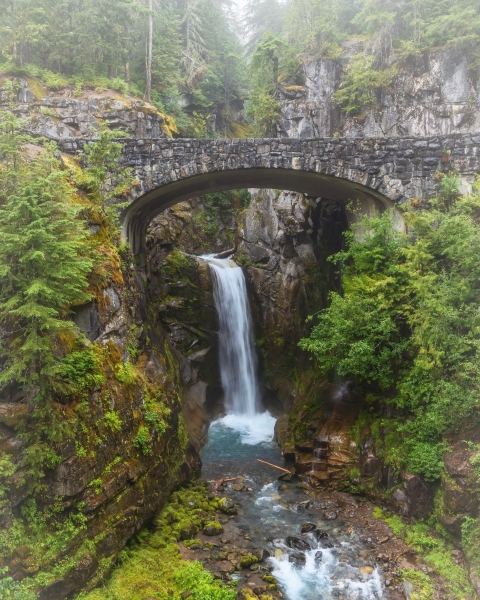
{"type": "Point", "coordinates": [213, 528]}
{"type": "Point", "coordinates": [248, 560]}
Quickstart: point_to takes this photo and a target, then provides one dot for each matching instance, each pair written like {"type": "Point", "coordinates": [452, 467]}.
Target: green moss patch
{"type": "Point", "coordinates": [152, 567]}
{"type": "Point", "coordinates": [248, 560]}
{"type": "Point", "coordinates": [435, 551]}
{"type": "Point", "coordinates": [150, 572]}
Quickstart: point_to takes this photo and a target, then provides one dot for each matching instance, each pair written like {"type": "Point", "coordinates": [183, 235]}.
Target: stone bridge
{"type": "Point", "coordinates": [373, 173]}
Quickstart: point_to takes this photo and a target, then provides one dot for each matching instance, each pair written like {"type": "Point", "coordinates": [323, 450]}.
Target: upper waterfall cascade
{"type": "Point", "coordinates": [237, 359]}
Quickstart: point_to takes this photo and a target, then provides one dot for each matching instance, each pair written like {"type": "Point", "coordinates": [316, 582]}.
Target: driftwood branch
{"type": "Point", "coordinates": [275, 466]}
{"type": "Point", "coordinates": [225, 253]}
{"type": "Point", "coordinates": [221, 481]}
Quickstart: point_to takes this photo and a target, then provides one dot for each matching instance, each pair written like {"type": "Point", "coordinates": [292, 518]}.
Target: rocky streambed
{"type": "Point", "coordinates": [283, 540]}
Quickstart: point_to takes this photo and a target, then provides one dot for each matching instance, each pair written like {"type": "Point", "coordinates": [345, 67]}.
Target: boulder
{"type": "Point", "coordinates": [297, 543]}
{"type": "Point", "coordinates": [12, 414]}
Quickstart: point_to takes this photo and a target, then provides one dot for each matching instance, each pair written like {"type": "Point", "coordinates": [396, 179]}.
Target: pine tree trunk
{"type": "Point", "coordinates": [148, 87]}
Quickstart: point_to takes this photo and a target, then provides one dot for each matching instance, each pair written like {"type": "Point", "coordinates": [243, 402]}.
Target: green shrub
{"type": "Point", "coordinates": [113, 420]}
{"type": "Point", "coordinates": [263, 109]}
{"type": "Point", "coordinates": [80, 372]}
{"type": "Point", "coordinates": [423, 588]}
{"type": "Point", "coordinates": [406, 328]}
{"type": "Point", "coordinates": [471, 542]}
{"type": "Point", "coordinates": [143, 441]}
{"type": "Point", "coordinates": [192, 576]}
{"type": "Point", "coordinates": [125, 373]}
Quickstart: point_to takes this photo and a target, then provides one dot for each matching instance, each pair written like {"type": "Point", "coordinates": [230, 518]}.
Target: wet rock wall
{"type": "Point", "coordinates": [437, 93]}
{"type": "Point", "coordinates": [117, 468]}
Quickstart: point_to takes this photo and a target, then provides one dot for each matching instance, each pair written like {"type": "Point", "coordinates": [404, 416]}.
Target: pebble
{"type": "Point", "coordinates": [330, 515]}
{"type": "Point", "coordinates": [306, 527]}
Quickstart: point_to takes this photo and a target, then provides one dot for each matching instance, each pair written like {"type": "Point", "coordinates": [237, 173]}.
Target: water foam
{"type": "Point", "coordinates": [327, 575]}
{"type": "Point", "coordinates": [253, 430]}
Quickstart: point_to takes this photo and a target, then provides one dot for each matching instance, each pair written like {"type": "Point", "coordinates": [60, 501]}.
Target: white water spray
{"type": "Point", "coordinates": [237, 351]}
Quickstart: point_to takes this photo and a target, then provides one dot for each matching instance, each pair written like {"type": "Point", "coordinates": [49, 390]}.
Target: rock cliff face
{"type": "Point", "coordinates": [180, 299]}
{"type": "Point", "coordinates": [284, 241]}
{"type": "Point", "coordinates": [128, 446]}
{"type": "Point", "coordinates": [438, 93]}
{"type": "Point", "coordinates": [108, 480]}
{"type": "Point", "coordinates": [60, 116]}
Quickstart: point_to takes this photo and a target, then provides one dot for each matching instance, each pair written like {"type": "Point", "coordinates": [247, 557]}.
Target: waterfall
{"type": "Point", "coordinates": [237, 357]}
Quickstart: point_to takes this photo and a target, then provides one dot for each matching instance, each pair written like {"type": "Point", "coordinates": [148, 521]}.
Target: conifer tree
{"type": "Point", "coordinates": [43, 270]}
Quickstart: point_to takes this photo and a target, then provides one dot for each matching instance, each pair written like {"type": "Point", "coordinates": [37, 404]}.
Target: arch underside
{"type": "Point", "coordinates": [145, 208]}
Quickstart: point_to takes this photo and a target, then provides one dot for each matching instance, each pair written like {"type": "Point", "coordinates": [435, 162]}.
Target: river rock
{"type": "Point", "coordinates": [187, 532]}
{"type": "Point", "coordinates": [262, 554]}
{"type": "Point", "coordinates": [260, 589]}
{"type": "Point", "coordinates": [318, 556]}
{"type": "Point", "coordinates": [330, 515]}
{"type": "Point", "coordinates": [408, 589]}
{"type": "Point", "coordinates": [297, 543]}
{"type": "Point", "coordinates": [246, 594]}
{"type": "Point", "coordinates": [302, 505]}
{"type": "Point", "coordinates": [297, 558]}
{"type": "Point", "coordinates": [306, 527]}
{"type": "Point", "coordinates": [213, 528]}
{"type": "Point", "coordinates": [227, 505]}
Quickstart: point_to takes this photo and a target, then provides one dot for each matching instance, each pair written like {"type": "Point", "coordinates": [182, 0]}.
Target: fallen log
{"type": "Point", "coordinates": [221, 481]}
{"type": "Point", "coordinates": [276, 467]}
{"type": "Point", "coordinates": [225, 253]}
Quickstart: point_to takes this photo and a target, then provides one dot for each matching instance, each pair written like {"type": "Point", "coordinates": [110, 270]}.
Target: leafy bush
{"type": "Point", "coordinates": [14, 590]}
{"type": "Point", "coordinates": [113, 420]}
{"type": "Point", "coordinates": [262, 109]}
{"type": "Point", "coordinates": [79, 372]}
{"type": "Point", "coordinates": [125, 373]}
{"type": "Point", "coordinates": [471, 542]}
{"type": "Point", "coordinates": [406, 327]}
{"type": "Point", "coordinates": [217, 206]}
{"type": "Point", "coordinates": [143, 441]}
{"type": "Point", "coordinates": [192, 576]}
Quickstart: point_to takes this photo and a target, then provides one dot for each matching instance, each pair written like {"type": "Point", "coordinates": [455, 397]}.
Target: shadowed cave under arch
{"type": "Point", "coordinates": [354, 197]}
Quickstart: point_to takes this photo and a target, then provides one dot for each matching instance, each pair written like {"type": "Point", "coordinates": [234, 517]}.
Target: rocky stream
{"type": "Point", "coordinates": [279, 534]}
{"type": "Point", "coordinates": [315, 545]}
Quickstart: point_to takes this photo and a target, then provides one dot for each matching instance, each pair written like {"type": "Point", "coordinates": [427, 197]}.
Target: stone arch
{"type": "Point", "coordinates": [144, 208]}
